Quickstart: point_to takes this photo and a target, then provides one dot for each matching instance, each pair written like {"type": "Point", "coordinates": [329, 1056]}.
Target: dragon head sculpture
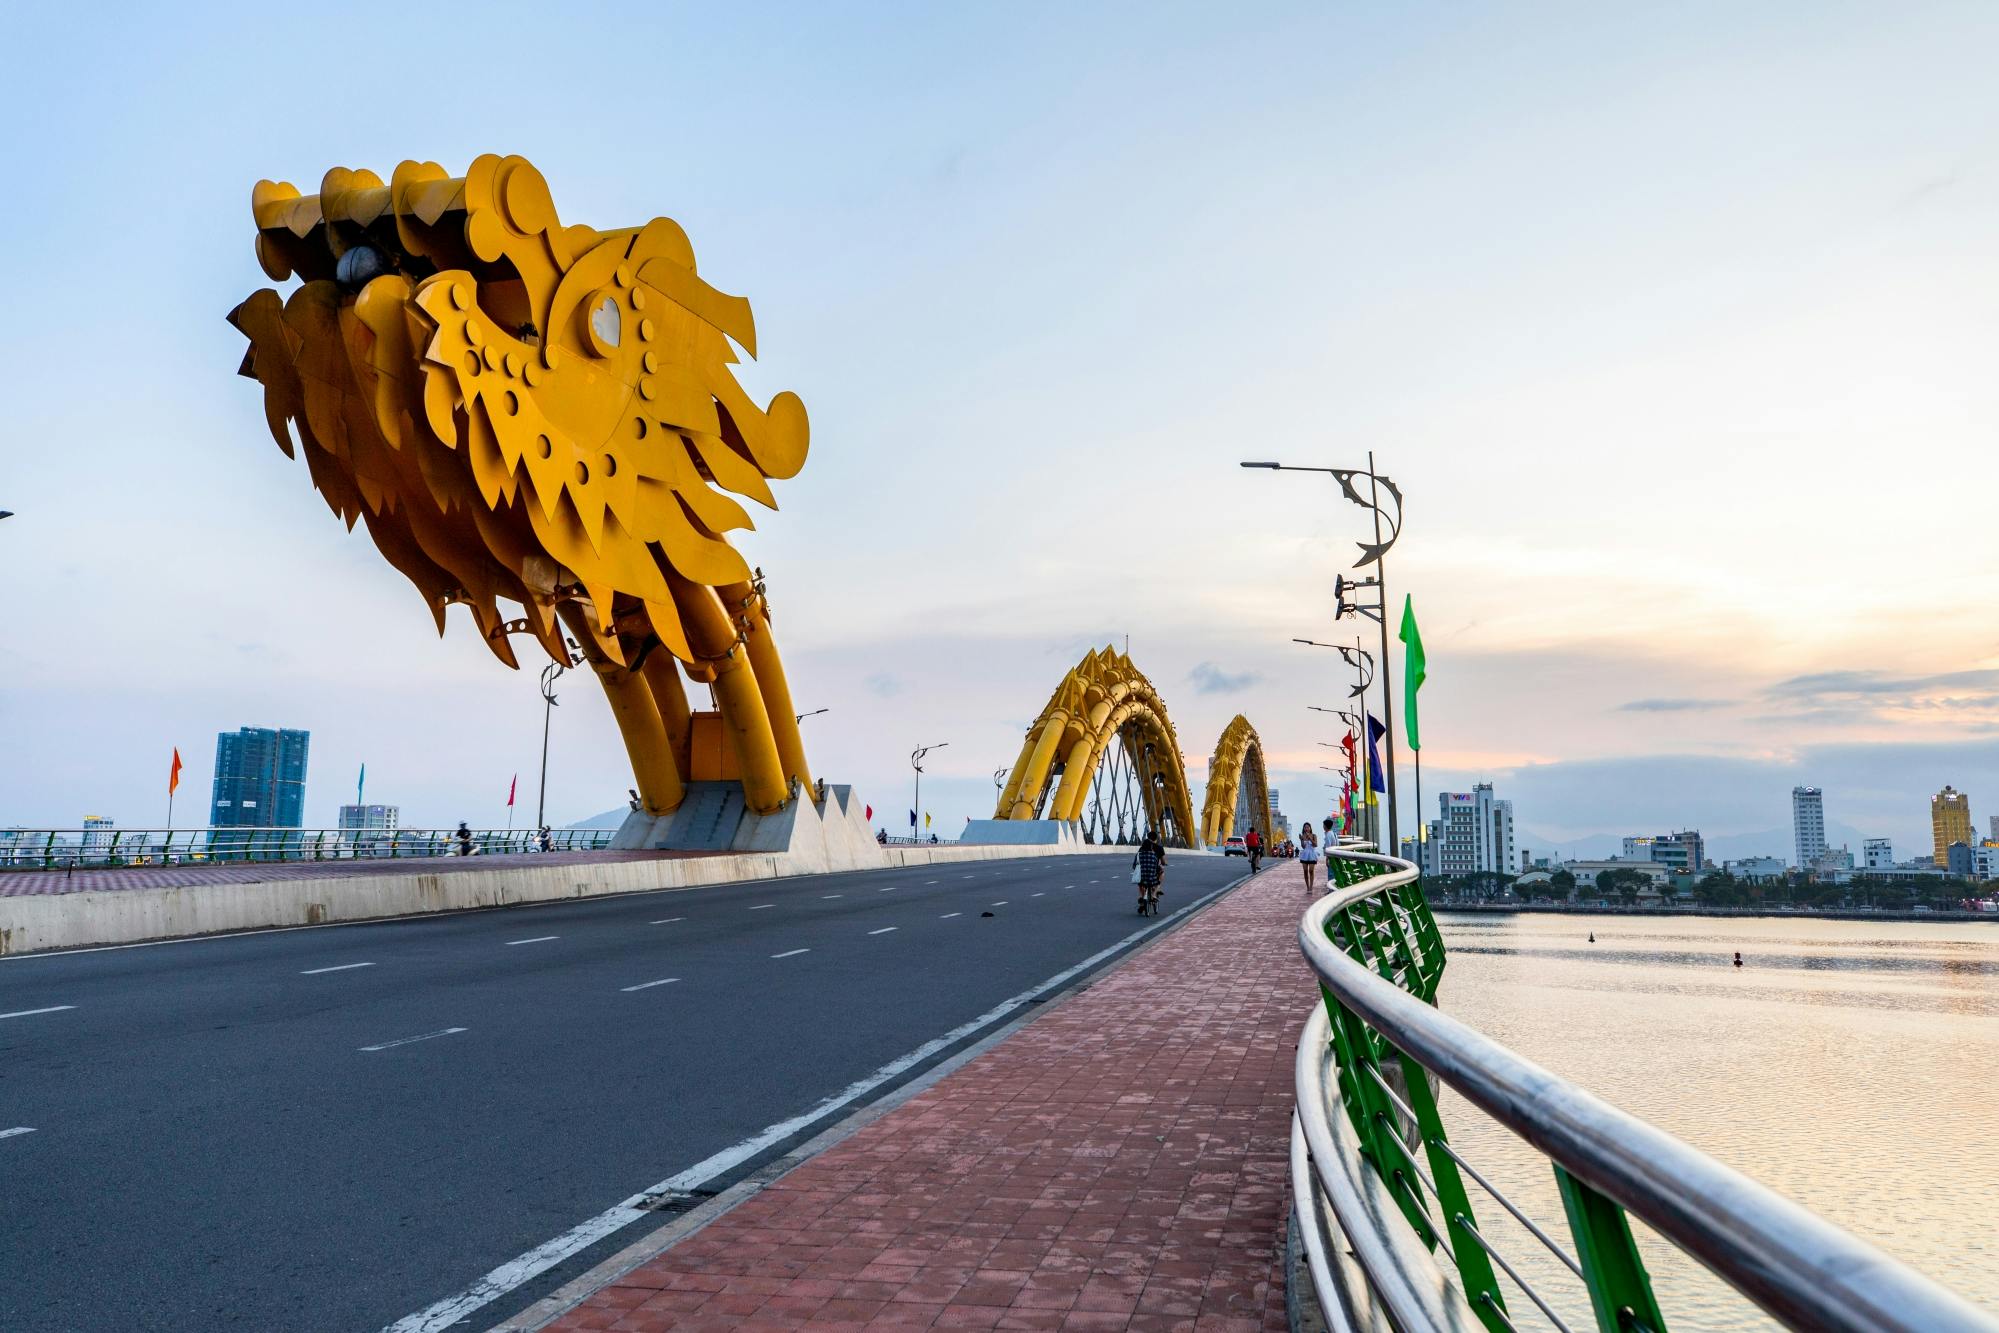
{"type": "Point", "coordinates": [528, 411]}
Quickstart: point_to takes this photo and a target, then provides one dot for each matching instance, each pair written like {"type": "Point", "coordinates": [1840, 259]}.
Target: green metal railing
{"type": "Point", "coordinates": [1383, 1195]}
{"type": "Point", "coordinates": [76, 849]}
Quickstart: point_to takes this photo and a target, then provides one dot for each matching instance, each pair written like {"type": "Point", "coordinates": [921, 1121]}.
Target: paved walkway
{"type": "Point", "coordinates": [16, 883]}
{"type": "Point", "coordinates": [1118, 1163]}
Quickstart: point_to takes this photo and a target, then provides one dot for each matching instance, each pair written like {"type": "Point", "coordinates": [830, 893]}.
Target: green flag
{"type": "Point", "coordinates": [1413, 662]}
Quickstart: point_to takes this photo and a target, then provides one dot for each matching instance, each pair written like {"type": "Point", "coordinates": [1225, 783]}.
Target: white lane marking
{"type": "Point", "coordinates": [549, 1253]}
{"type": "Point", "coordinates": [538, 939]}
{"type": "Point", "coordinates": [648, 985]}
{"type": "Point", "coordinates": [404, 1041]}
{"type": "Point", "coordinates": [791, 953]}
{"type": "Point", "coordinates": [968, 877]}
{"type": "Point", "coordinates": [883, 931]}
{"type": "Point", "coordinates": [1071, 886]}
{"type": "Point", "coordinates": [1000, 903]}
{"type": "Point", "coordinates": [948, 915]}
{"type": "Point", "coordinates": [824, 896]}
{"type": "Point", "coordinates": [666, 921]}
{"type": "Point", "coordinates": [18, 1129]}
{"type": "Point", "coordinates": [929, 881]}
{"type": "Point", "coordinates": [760, 906]}
{"type": "Point", "coordinates": [1034, 895]}
{"type": "Point", "coordinates": [889, 889]}
{"type": "Point", "coordinates": [52, 1009]}
{"type": "Point", "coordinates": [344, 967]}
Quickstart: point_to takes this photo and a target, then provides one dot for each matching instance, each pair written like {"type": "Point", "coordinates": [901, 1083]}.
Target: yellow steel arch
{"type": "Point", "coordinates": [1236, 771]}
{"type": "Point", "coordinates": [1104, 698]}
{"type": "Point", "coordinates": [544, 414]}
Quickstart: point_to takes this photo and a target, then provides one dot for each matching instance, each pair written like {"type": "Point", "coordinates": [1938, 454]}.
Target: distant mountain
{"type": "Point", "coordinates": [610, 819]}
{"type": "Point", "coordinates": [1720, 847]}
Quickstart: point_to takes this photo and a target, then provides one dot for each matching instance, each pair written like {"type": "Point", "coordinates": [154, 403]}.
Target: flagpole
{"type": "Point", "coordinates": [1387, 663]}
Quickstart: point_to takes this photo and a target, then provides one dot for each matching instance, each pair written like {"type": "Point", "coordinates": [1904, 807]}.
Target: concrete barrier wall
{"type": "Point", "coordinates": [34, 923]}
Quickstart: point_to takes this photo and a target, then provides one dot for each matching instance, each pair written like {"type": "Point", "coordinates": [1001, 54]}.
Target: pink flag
{"type": "Point", "coordinates": [510, 788]}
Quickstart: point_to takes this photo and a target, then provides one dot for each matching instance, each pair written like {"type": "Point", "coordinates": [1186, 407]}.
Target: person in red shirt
{"type": "Point", "coordinates": [1254, 842]}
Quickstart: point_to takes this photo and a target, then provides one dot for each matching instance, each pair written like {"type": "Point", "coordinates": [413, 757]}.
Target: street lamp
{"type": "Point", "coordinates": [999, 783]}
{"type": "Point", "coordinates": [916, 762]}
{"type": "Point", "coordinates": [814, 713]}
{"type": "Point", "coordinates": [1371, 553]}
{"type": "Point", "coordinates": [549, 675]}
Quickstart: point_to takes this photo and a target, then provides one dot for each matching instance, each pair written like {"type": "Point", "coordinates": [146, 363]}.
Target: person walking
{"type": "Point", "coordinates": [1308, 853]}
{"type": "Point", "coordinates": [1252, 841]}
{"type": "Point", "coordinates": [463, 839]}
{"type": "Point", "coordinates": [1150, 862]}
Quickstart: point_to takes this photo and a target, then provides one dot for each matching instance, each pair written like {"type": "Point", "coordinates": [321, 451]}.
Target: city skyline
{"type": "Point", "coordinates": [1789, 323]}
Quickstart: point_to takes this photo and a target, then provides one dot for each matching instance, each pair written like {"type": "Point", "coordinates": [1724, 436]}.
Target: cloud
{"type": "Point", "coordinates": [1824, 684]}
{"type": "Point", "coordinates": [883, 685]}
{"type": "Point", "coordinates": [1671, 705]}
{"type": "Point", "coordinates": [1211, 679]}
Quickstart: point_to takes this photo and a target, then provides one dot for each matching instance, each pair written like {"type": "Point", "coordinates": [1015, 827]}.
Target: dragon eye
{"type": "Point", "coordinates": [604, 323]}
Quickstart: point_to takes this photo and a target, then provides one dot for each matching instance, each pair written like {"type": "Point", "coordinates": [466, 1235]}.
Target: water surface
{"type": "Point", "coordinates": [1848, 1064]}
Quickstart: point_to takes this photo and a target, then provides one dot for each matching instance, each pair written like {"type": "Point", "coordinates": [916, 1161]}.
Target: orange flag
{"type": "Point", "coordinates": [173, 778]}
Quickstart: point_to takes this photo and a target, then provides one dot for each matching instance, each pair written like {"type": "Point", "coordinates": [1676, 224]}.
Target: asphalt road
{"type": "Point", "coordinates": [339, 1128]}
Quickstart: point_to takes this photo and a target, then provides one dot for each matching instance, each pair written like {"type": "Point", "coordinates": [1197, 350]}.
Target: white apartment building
{"type": "Point", "coordinates": [1473, 833]}
{"type": "Point", "coordinates": [1877, 854]}
{"type": "Point", "coordinates": [1808, 825]}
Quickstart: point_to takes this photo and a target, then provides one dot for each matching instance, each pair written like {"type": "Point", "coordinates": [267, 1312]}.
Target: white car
{"type": "Point", "coordinates": [1235, 846]}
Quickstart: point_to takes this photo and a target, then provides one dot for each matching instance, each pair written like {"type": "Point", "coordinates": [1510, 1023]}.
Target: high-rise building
{"type": "Point", "coordinates": [1878, 854]}
{"type": "Point", "coordinates": [1473, 833]}
{"type": "Point", "coordinates": [1808, 825]}
{"type": "Point", "coordinates": [259, 778]}
{"type": "Point", "coordinates": [97, 836]}
{"type": "Point", "coordinates": [370, 818]}
{"type": "Point", "coordinates": [1995, 828]}
{"type": "Point", "coordinates": [1637, 849]}
{"type": "Point", "coordinates": [1950, 821]}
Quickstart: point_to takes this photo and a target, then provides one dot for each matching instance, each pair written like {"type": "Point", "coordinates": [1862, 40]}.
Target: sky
{"type": "Point", "coordinates": [1674, 324]}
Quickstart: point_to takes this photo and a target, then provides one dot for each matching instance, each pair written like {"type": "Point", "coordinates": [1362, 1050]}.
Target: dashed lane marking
{"type": "Point", "coordinates": [18, 1129]}
{"type": "Point", "coordinates": [824, 896]}
{"type": "Point", "coordinates": [52, 1009]}
{"type": "Point", "coordinates": [344, 967]}
{"type": "Point", "coordinates": [791, 953]}
{"type": "Point", "coordinates": [538, 939]}
{"type": "Point", "coordinates": [648, 985]}
{"type": "Point", "coordinates": [666, 921]}
{"type": "Point", "coordinates": [761, 906]}
{"type": "Point", "coordinates": [404, 1041]}
{"type": "Point", "coordinates": [883, 931]}
{"type": "Point", "coordinates": [948, 915]}
{"type": "Point", "coordinates": [1000, 903]}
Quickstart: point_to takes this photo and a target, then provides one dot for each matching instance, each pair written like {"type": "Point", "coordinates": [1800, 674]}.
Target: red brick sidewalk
{"type": "Point", "coordinates": [1118, 1163]}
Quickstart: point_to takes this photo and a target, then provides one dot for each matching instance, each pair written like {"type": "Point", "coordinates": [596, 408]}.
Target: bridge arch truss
{"type": "Point", "coordinates": [1238, 794]}
{"type": "Point", "coordinates": [1103, 754]}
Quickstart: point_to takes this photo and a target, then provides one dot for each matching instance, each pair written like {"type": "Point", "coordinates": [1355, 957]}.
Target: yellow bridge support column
{"type": "Point", "coordinates": [654, 772]}
{"type": "Point", "coordinates": [718, 653]}
{"type": "Point", "coordinates": [754, 617]}
{"type": "Point", "coordinates": [1039, 765]}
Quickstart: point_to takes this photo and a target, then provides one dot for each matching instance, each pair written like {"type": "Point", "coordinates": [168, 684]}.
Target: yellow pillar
{"type": "Point", "coordinates": [662, 672]}
{"type": "Point", "coordinates": [744, 717]}
{"type": "Point", "coordinates": [744, 601]}
{"type": "Point", "coordinates": [654, 770]}
{"type": "Point", "coordinates": [1075, 780]}
{"type": "Point", "coordinates": [1002, 810]}
{"type": "Point", "coordinates": [1038, 765]}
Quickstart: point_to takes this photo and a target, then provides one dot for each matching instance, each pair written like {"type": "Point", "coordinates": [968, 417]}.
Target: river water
{"type": "Point", "coordinates": [1851, 1065]}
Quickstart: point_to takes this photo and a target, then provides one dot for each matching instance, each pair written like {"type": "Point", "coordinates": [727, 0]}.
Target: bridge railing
{"type": "Point", "coordinates": [1391, 1235]}
{"type": "Point", "coordinates": [72, 849]}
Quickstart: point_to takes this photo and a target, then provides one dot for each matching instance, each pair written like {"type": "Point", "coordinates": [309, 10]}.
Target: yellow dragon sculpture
{"type": "Point", "coordinates": [541, 414]}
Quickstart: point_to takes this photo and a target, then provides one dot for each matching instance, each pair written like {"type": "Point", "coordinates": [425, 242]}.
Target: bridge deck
{"type": "Point", "coordinates": [1118, 1163]}
{"type": "Point", "coordinates": [16, 883]}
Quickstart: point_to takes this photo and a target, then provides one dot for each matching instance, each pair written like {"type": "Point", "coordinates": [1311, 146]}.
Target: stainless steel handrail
{"type": "Point", "coordinates": [1798, 1267]}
